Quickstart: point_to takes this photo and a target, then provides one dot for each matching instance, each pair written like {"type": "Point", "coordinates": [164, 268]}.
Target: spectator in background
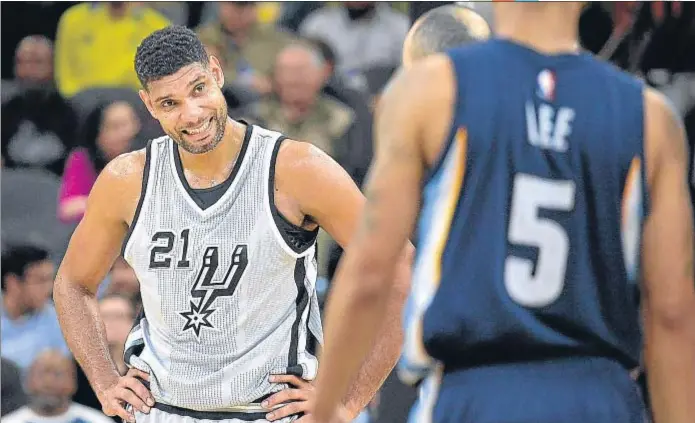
{"type": "Point", "coordinates": [33, 62]}
{"type": "Point", "coordinates": [22, 18]}
{"type": "Point", "coordinates": [12, 395]}
{"type": "Point", "coordinates": [96, 43]}
{"type": "Point", "coordinates": [118, 313]}
{"type": "Point", "coordinates": [362, 34]}
{"type": "Point", "coordinates": [294, 13]}
{"type": "Point", "coordinates": [38, 125]}
{"type": "Point", "coordinates": [29, 321]}
{"type": "Point", "coordinates": [247, 48]}
{"type": "Point", "coordinates": [109, 130]}
{"type": "Point", "coordinates": [359, 155]}
{"type": "Point", "coordinates": [50, 384]}
{"type": "Point", "coordinates": [298, 109]}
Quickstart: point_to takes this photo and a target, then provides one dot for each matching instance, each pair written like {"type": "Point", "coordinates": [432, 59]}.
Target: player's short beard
{"type": "Point", "coordinates": [219, 121]}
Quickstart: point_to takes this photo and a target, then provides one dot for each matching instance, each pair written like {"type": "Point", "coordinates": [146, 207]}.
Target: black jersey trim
{"type": "Point", "coordinates": [296, 237]}
{"type": "Point", "coordinates": [301, 302]}
{"type": "Point", "coordinates": [143, 194]}
{"type": "Point", "coordinates": [139, 345]}
{"type": "Point", "coordinates": [227, 182]}
{"type": "Point", "coordinates": [209, 415]}
{"type": "Point", "coordinates": [312, 342]}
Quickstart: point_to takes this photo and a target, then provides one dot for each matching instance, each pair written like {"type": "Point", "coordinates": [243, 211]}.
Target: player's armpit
{"type": "Point", "coordinates": [668, 284]}
{"type": "Point", "coordinates": [411, 125]}
{"type": "Point", "coordinates": [320, 187]}
{"type": "Point", "coordinates": [93, 248]}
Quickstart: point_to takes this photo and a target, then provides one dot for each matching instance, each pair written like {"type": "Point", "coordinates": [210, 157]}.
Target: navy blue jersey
{"type": "Point", "coordinates": [528, 239]}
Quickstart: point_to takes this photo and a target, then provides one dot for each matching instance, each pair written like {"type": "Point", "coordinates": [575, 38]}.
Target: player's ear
{"type": "Point", "coordinates": [145, 97]}
{"type": "Point", "coordinates": [216, 69]}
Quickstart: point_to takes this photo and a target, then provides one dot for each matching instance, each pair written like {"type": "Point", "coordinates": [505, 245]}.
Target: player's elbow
{"type": "Point", "coordinates": [65, 290]}
{"type": "Point", "coordinates": [381, 279]}
{"type": "Point", "coordinates": [675, 314]}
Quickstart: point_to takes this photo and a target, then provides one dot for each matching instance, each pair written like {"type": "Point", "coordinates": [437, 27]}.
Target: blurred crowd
{"type": "Point", "coordinates": [311, 70]}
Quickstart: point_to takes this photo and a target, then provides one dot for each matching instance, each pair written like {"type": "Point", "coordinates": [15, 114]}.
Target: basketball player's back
{"type": "Point", "coordinates": [556, 141]}
{"type": "Point", "coordinates": [534, 215]}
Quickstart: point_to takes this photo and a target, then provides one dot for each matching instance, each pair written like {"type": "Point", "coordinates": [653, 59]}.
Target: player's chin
{"type": "Point", "coordinates": [198, 147]}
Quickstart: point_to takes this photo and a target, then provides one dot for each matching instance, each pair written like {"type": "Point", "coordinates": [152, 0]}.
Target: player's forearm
{"type": "Point", "coordinates": [670, 360]}
{"type": "Point", "coordinates": [358, 299]}
{"type": "Point", "coordinates": [84, 332]}
{"type": "Point", "coordinates": [385, 351]}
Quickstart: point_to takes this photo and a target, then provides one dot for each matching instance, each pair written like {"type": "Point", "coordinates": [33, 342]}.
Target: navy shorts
{"type": "Point", "coordinates": [577, 390]}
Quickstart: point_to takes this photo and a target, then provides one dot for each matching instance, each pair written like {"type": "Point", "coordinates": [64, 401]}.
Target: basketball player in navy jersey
{"type": "Point", "coordinates": [554, 189]}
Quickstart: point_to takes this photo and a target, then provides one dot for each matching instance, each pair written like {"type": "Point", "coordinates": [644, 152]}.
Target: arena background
{"type": "Point", "coordinates": [69, 105]}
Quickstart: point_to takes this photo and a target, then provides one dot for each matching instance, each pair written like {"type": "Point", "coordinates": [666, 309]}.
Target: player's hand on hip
{"type": "Point", "coordinates": [298, 398]}
{"type": "Point", "coordinates": [128, 390]}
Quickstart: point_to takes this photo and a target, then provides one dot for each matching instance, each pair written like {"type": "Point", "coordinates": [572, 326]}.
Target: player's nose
{"type": "Point", "coordinates": [192, 114]}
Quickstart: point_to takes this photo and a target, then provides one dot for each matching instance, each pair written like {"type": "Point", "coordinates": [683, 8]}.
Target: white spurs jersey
{"type": "Point", "coordinates": [228, 290]}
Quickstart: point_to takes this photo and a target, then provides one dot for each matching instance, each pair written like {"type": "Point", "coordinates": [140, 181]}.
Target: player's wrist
{"type": "Point", "coordinates": [103, 383]}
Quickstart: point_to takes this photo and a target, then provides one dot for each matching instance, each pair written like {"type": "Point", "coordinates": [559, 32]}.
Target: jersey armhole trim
{"type": "Point", "coordinates": [453, 125]}
{"type": "Point", "coordinates": [304, 239]}
{"type": "Point", "coordinates": [141, 200]}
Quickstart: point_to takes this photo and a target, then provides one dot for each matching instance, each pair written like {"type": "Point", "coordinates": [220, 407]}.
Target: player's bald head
{"type": "Point", "coordinates": [443, 28]}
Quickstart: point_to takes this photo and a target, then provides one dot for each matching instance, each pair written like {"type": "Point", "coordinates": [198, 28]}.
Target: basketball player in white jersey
{"type": "Point", "coordinates": [218, 219]}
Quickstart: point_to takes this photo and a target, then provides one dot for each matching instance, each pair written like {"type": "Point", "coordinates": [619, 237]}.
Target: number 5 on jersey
{"type": "Point", "coordinates": [531, 194]}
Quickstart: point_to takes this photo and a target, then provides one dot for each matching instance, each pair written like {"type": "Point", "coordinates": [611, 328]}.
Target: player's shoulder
{"type": "Point", "coordinates": [427, 88]}
{"type": "Point", "coordinates": [296, 158]}
{"type": "Point", "coordinates": [428, 76]}
{"type": "Point", "coordinates": [131, 165]}
{"type": "Point", "coordinates": [658, 105]}
{"type": "Point", "coordinates": [126, 166]}
{"type": "Point", "coordinates": [662, 120]}
{"type": "Point", "coordinates": [664, 133]}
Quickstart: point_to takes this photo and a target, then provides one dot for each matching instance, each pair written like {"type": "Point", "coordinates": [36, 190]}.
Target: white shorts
{"type": "Point", "coordinates": [165, 414]}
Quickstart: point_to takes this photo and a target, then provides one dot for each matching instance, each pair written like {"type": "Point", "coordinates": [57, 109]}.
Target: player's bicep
{"type": "Point", "coordinates": [97, 240]}
{"type": "Point", "coordinates": [323, 190]}
{"type": "Point", "coordinates": [668, 232]}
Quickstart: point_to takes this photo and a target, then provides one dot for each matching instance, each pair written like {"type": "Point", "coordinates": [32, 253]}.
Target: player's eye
{"type": "Point", "coordinates": [199, 88]}
{"type": "Point", "coordinates": [167, 103]}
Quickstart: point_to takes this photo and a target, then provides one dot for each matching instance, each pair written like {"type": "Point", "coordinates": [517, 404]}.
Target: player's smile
{"type": "Point", "coordinates": [200, 132]}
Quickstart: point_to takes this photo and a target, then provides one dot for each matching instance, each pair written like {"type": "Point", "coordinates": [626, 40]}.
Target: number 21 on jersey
{"type": "Point", "coordinates": [530, 194]}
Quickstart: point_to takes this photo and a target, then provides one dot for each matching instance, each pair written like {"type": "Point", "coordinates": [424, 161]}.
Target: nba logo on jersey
{"type": "Point", "coordinates": [546, 85]}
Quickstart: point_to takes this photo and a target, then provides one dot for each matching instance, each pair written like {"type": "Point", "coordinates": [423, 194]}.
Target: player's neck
{"type": "Point", "coordinates": [217, 163]}
{"type": "Point", "coordinates": [548, 30]}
